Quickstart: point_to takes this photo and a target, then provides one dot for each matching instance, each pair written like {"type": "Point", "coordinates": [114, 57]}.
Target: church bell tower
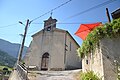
{"type": "Point", "coordinates": [50, 24]}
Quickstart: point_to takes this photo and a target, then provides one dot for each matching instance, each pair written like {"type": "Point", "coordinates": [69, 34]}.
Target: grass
{"type": "Point", "coordinates": [1, 68]}
{"type": "Point", "coordinates": [1, 71]}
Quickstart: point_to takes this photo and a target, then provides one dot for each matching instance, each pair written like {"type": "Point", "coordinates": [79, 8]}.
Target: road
{"type": "Point", "coordinates": [53, 75]}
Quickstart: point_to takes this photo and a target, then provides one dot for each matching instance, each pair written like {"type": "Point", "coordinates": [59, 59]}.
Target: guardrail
{"type": "Point", "coordinates": [22, 71]}
{"type": "Point", "coordinates": [118, 71]}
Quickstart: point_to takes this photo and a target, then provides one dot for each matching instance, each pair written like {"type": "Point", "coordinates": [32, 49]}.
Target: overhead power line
{"type": "Point", "coordinates": [9, 25]}
{"type": "Point", "coordinates": [64, 23]}
{"type": "Point", "coordinates": [40, 15]}
{"type": "Point", "coordinates": [74, 22]}
{"type": "Point", "coordinates": [51, 10]}
{"type": "Point", "coordinates": [92, 8]}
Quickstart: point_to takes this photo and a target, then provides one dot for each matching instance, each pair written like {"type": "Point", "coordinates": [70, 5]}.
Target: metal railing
{"type": "Point", "coordinates": [118, 70]}
{"type": "Point", "coordinates": [22, 71]}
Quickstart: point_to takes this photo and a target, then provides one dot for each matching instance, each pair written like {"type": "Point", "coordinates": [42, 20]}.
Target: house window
{"type": "Point", "coordinates": [87, 61]}
{"type": "Point", "coordinates": [66, 47]}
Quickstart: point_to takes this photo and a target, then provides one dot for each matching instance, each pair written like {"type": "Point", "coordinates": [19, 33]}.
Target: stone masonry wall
{"type": "Point", "coordinates": [110, 50]}
{"type": "Point", "coordinates": [103, 60]}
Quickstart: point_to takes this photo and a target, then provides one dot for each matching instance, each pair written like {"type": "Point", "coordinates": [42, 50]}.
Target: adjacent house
{"type": "Point", "coordinates": [116, 14]}
{"type": "Point", "coordinates": [52, 49]}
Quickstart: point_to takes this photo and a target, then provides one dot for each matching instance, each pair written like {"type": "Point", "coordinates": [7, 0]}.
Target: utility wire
{"type": "Point", "coordinates": [73, 22]}
{"type": "Point", "coordinates": [62, 23]}
{"type": "Point", "coordinates": [92, 8]}
{"type": "Point", "coordinates": [47, 13]}
{"type": "Point", "coordinates": [45, 26]}
{"type": "Point", "coordinates": [50, 10]}
{"type": "Point", "coordinates": [40, 15]}
{"type": "Point", "coordinates": [8, 25]}
{"type": "Point", "coordinates": [100, 5]}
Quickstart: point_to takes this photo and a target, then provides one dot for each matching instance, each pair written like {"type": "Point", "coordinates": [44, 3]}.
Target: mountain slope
{"type": "Point", "coordinates": [11, 48]}
{"type": "Point", "coordinates": [6, 59]}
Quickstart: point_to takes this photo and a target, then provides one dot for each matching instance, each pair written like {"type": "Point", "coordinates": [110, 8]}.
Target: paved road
{"type": "Point", "coordinates": [53, 75]}
{"type": "Point", "coordinates": [14, 76]}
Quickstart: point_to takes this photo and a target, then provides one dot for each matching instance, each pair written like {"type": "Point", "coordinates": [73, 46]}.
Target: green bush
{"type": "Point", "coordinates": [108, 30]}
{"type": "Point", "coordinates": [89, 75]}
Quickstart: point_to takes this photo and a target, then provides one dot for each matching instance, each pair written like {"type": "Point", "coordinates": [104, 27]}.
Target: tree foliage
{"type": "Point", "coordinates": [109, 30]}
{"type": "Point", "coordinates": [6, 59]}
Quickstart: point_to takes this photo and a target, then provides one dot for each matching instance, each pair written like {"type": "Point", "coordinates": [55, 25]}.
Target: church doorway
{"type": "Point", "coordinates": [45, 61]}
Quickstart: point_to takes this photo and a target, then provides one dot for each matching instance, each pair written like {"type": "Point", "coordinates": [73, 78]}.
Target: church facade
{"type": "Point", "coordinates": [53, 49]}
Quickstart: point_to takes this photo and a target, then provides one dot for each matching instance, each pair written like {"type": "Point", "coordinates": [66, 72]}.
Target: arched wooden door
{"type": "Point", "coordinates": [45, 61]}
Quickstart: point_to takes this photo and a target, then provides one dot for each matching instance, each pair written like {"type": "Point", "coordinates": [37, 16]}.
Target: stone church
{"type": "Point", "coordinates": [52, 49]}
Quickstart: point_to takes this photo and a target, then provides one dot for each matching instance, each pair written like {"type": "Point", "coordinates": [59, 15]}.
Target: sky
{"type": "Point", "coordinates": [69, 16]}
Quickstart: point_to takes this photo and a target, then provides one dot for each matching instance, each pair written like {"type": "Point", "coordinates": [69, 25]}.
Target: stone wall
{"type": "Point", "coordinates": [111, 52]}
{"type": "Point", "coordinates": [93, 62]}
{"type": "Point", "coordinates": [103, 60]}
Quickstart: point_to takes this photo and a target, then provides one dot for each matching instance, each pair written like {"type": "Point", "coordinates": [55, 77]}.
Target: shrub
{"type": "Point", "coordinates": [108, 30]}
{"type": "Point", "coordinates": [89, 75]}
